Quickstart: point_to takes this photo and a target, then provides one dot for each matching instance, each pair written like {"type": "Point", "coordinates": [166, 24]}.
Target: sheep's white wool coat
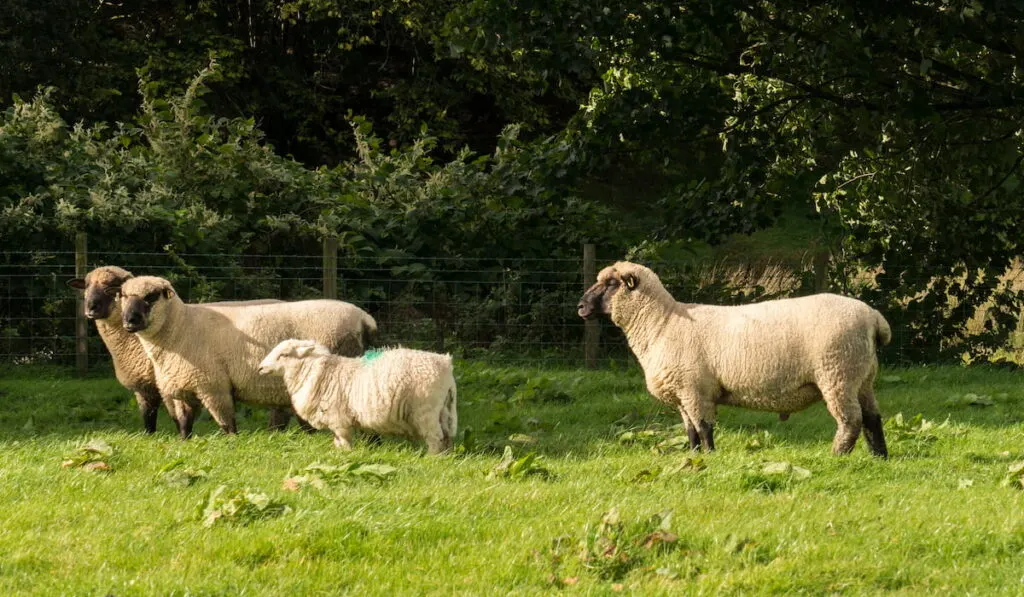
{"type": "Point", "coordinates": [400, 391]}
{"type": "Point", "coordinates": [211, 352]}
{"type": "Point", "coordinates": [770, 356]}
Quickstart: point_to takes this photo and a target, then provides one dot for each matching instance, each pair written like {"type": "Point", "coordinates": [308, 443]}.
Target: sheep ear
{"type": "Point", "coordinates": [112, 291]}
{"type": "Point", "coordinates": [630, 281]}
{"type": "Point", "coordinates": [303, 351]}
{"type": "Point", "coordinates": [78, 283]}
{"type": "Point", "coordinates": [168, 293]}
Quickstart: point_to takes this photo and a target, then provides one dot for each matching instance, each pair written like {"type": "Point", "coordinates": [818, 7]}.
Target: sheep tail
{"type": "Point", "coordinates": [883, 333]}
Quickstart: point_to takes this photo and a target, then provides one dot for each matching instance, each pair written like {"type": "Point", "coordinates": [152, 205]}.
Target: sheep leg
{"type": "Point", "coordinates": [185, 419]}
{"type": "Point", "coordinates": [691, 431]}
{"type": "Point", "coordinates": [707, 435]}
{"type": "Point", "coordinates": [436, 443]}
{"type": "Point", "coordinates": [430, 427]}
{"type": "Point", "coordinates": [873, 433]}
{"type": "Point", "coordinates": [149, 406]}
{"type": "Point", "coordinates": [221, 407]}
{"type": "Point", "coordinates": [701, 413]}
{"type": "Point", "coordinates": [278, 419]}
{"type": "Point", "coordinates": [343, 438]}
{"type": "Point", "coordinates": [846, 410]}
{"type": "Point", "coordinates": [448, 420]}
{"type": "Point", "coordinates": [304, 425]}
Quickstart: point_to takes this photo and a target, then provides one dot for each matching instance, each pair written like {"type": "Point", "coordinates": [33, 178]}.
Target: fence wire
{"type": "Point", "coordinates": [513, 311]}
{"type": "Point", "coordinates": [516, 311]}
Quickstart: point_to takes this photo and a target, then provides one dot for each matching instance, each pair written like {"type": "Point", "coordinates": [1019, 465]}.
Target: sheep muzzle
{"type": "Point", "coordinates": [135, 314]}
{"type": "Point", "coordinates": [591, 303]}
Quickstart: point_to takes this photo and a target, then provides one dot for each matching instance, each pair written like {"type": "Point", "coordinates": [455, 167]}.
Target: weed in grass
{"type": "Point", "coordinates": [760, 441]}
{"type": "Point", "coordinates": [91, 456]}
{"type": "Point", "coordinates": [774, 477]}
{"type": "Point", "coordinates": [916, 435]}
{"type": "Point", "coordinates": [972, 399]}
{"type": "Point", "coordinates": [321, 476]}
{"type": "Point", "coordinates": [687, 465]}
{"type": "Point", "coordinates": [644, 437]}
{"type": "Point", "coordinates": [522, 467]}
{"type": "Point", "coordinates": [1014, 476]}
{"type": "Point", "coordinates": [542, 390]}
{"type": "Point", "coordinates": [175, 474]}
{"type": "Point", "coordinates": [239, 506]}
{"type": "Point", "coordinates": [615, 547]}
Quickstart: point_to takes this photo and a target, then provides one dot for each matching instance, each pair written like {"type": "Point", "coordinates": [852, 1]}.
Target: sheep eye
{"type": "Point", "coordinates": [152, 297]}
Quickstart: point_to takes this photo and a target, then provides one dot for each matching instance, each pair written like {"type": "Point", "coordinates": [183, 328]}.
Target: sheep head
{"type": "Point", "coordinates": [621, 290]}
{"type": "Point", "coordinates": [274, 362]}
{"type": "Point", "coordinates": [100, 288]}
{"type": "Point", "coordinates": [144, 303]}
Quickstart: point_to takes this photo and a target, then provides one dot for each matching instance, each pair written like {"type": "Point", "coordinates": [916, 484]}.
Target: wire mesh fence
{"type": "Point", "coordinates": [500, 310]}
{"type": "Point", "coordinates": [514, 311]}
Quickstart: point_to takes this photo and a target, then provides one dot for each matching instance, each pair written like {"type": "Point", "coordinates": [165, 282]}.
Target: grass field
{"type": "Point", "coordinates": [622, 508]}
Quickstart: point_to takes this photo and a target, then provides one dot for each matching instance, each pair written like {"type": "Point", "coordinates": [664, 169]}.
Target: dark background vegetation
{"type": "Point", "coordinates": [886, 134]}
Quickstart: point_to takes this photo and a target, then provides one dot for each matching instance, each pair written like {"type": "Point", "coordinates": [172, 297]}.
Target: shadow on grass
{"type": "Point", "coordinates": [551, 411]}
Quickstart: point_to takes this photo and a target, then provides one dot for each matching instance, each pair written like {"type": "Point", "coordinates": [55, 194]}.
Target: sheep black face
{"type": "Point", "coordinates": [100, 288]}
{"type": "Point", "coordinates": [597, 300]}
{"type": "Point", "coordinates": [137, 311]}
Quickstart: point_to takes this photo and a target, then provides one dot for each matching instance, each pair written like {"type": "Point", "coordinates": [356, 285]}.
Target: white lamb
{"type": "Point", "coordinates": [779, 356]}
{"type": "Point", "coordinates": [395, 391]}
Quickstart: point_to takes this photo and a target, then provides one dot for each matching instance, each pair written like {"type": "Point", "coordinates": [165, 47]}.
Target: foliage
{"type": "Point", "coordinates": [615, 547]}
{"type": "Point", "coordinates": [240, 506]}
{"type": "Point", "coordinates": [772, 477]}
{"type": "Point", "coordinates": [91, 456]}
{"type": "Point", "coordinates": [321, 475]}
{"type": "Point", "coordinates": [1014, 476]}
{"type": "Point", "coordinates": [511, 467]}
{"type": "Point", "coordinates": [176, 474]}
{"type": "Point", "coordinates": [893, 128]}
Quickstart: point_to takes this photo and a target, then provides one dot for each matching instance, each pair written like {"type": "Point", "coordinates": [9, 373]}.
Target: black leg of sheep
{"type": "Point", "coordinates": [707, 435]}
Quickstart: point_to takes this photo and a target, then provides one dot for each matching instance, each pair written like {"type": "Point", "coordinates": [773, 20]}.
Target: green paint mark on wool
{"type": "Point", "coordinates": [372, 355]}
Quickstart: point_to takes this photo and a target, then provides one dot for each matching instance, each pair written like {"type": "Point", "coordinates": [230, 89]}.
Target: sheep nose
{"type": "Point", "coordinates": [132, 321]}
{"type": "Point", "coordinates": [582, 309]}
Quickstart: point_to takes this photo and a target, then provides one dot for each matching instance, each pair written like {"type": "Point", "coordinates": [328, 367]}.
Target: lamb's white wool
{"type": "Point", "coordinates": [396, 391]}
{"type": "Point", "coordinates": [779, 356]}
{"type": "Point", "coordinates": [209, 354]}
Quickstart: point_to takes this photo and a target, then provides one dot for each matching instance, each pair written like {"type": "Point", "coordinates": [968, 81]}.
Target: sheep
{"type": "Point", "coordinates": [779, 356]}
{"type": "Point", "coordinates": [209, 354]}
{"type": "Point", "coordinates": [132, 367]}
{"type": "Point", "coordinates": [397, 391]}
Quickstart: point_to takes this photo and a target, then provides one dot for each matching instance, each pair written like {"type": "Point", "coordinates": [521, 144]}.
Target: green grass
{"type": "Point", "coordinates": [932, 519]}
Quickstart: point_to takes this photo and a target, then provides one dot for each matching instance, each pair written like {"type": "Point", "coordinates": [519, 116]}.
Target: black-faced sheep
{"type": "Point", "coordinates": [778, 356]}
{"type": "Point", "coordinates": [209, 354]}
{"type": "Point", "coordinates": [132, 367]}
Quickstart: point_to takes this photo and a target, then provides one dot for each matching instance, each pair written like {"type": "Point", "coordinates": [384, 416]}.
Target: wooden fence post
{"type": "Point", "coordinates": [591, 327]}
{"type": "Point", "coordinates": [81, 323]}
{"type": "Point", "coordinates": [331, 267]}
